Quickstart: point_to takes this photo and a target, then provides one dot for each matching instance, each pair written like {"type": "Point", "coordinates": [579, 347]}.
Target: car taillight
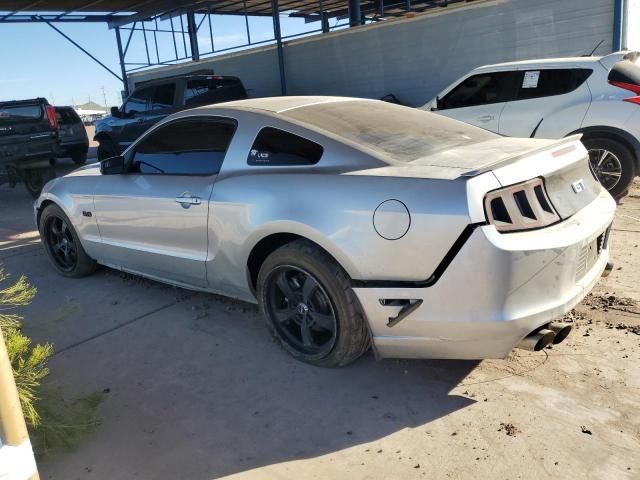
{"type": "Point", "coordinates": [51, 116]}
{"type": "Point", "coordinates": [632, 88]}
{"type": "Point", "coordinates": [524, 206]}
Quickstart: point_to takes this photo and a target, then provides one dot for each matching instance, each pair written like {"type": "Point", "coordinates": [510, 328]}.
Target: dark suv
{"type": "Point", "coordinates": [29, 143]}
{"type": "Point", "coordinates": [151, 101]}
{"type": "Point", "coordinates": [74, 142]}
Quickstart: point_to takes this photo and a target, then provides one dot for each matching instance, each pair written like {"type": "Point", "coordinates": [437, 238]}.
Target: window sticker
{"type": "Point", "coordinates": [531, 79]}
{"type": "Point", "coordinates": [260, 156]}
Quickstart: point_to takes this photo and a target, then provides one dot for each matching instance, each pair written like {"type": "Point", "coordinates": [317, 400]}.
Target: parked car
{"type": "Point", "coordinates": [74, 142]}
{"type": "Point", "coordinates": [598, 97]}
{"type": "Point", "coordinates": [351, 222]}
{"type": "Point", "coordinates": [152, 101]}
{"type": "Point", "coordinates": [28, 143]}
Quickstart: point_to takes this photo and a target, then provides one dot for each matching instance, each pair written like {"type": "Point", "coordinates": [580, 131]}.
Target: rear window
{"type": "Point", "coordinates": [20, 113]}
{"type": "Point", "coordinates": [394, 133]}
{"type": "Point", "coordinates": [273, 146]}
{"type": "Point", "coordinates": [67, 116]}
{"type": "Point", "coordinates": [549, 82]}
{"type": "Point", "coordinates": [213, 90]}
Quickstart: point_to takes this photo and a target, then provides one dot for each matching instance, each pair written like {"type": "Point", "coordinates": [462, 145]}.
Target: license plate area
{"type": "Point", "coordinates": [588, 257]}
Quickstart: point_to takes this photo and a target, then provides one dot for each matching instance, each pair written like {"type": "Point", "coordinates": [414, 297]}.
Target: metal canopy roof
{"type": "Point", "coordinates": [146, 17]}
{"type": "Point", "coordinates": [121, 12]}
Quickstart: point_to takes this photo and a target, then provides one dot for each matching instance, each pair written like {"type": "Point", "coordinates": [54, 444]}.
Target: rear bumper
{"type": "Point", "coordinates": [498, 289]}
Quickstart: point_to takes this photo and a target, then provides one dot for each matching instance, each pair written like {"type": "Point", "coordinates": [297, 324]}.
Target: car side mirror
{"type": "Point", "coordinates": [115, 112]}
{"type": "Point", "coordinates": [112, 166]}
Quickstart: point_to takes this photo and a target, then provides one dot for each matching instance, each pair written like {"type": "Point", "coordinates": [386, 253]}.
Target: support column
{"type": "Point", "coordinates": [355, 18]}
{"type": "Point", "coordinates": [193, 36]}
{"type": "Point", "coordinates": [324, 20]}
{"type": "Point", "coordinates": [123, 70]}
{"type": "Point", "coordinates": [618, 22]}
{"type": "Point", "coordinates": [275, 8]}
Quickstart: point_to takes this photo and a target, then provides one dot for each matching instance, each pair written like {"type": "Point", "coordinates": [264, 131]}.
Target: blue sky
{"type": "Point", "coordinates": [37, 61]}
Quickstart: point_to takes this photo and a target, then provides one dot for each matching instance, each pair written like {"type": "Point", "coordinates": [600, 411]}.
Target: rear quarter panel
{"type": "Point", "coordinates": [336, 212]}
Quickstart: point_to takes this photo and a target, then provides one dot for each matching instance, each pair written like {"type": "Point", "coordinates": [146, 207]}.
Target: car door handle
{"type": "Point", "coordinates": [486, 118]}
{"type": "Point", "coordinates": [188, 200]}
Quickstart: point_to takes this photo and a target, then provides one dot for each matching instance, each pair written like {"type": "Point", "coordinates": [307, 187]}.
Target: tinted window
{"type": "Point", "coordinates": [187, 147]}
{"type": "Point", "coordinates": [481, 89]}
{"type": "Point", "coordinates": [66, 116]}
{"type": "Point", "coordinates": [545, 83]}
{"type": "Point", "coordinates": [20, 113]}
{"type": "Point", "coordinates": [273, 146]}
{"type": "Point", "coordinates": [146, 99]}
{"type": "Point", "coordinates": [163, 96]}
{"type": "Point", "coordinates": [213, 90]}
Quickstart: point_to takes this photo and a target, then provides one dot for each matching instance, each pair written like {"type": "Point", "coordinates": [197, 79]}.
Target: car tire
{"type": "Point", "coordinates": [59, 247]}
{"type": "Point", "coordinates": [36, 178]}
{"type": "Point", "coordinates": [330, 304]}
{"type": "Point", "coordinates": [79, 159]}
{"type": "Point", "coordinates": [609, 157]}
{"type": "Point", "coordinates": [107, 148]}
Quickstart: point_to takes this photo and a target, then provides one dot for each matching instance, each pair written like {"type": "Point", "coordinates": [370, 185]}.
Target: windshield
{"type": "Point", "coordinates": [395, 133]}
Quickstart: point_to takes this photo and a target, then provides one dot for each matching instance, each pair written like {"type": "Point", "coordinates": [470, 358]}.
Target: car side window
{"type": "Point", "coordinates": [275, 147]}
{"type": "Point", "coordinates": [139, 101]}
{"type": "Point", "coordinates": [185, 147]}
{"type": "Point", "coordinates": [480, 89]}
{"type": "Point", "coordinates": [550, 82]}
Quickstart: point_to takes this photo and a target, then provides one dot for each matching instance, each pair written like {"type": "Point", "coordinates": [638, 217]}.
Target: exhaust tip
{"type": "Point", "coordinates": [534, 342]}
{"type": "Point", "coordinates": [561, 331]}
{"type": "Point", "coordinates": [607, 269]}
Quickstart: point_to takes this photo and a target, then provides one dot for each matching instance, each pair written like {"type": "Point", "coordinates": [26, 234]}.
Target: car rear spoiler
{"type": "Point", "coordinates": [528, 153]}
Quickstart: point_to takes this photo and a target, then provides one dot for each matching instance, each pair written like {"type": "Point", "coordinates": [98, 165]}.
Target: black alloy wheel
{"type": "Point", "coordinates": [61, 243]}
{"type": "Point", "coordinates": [301, 311]}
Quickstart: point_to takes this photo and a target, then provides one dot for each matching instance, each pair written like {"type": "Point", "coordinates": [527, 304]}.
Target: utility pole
{"type": "Point", "coordinates": [104, 97]}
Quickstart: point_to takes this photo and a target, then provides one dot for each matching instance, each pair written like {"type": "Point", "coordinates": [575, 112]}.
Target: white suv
{"type": "Point", "coordinates": [598, 97]}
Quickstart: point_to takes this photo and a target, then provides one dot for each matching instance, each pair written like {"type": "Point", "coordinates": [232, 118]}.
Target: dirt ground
{"type": "Point", "coordinates": [197, 390]}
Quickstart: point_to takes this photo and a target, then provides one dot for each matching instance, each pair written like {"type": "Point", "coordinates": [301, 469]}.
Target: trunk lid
{"type": "Point", "coordinates": [564, 168]}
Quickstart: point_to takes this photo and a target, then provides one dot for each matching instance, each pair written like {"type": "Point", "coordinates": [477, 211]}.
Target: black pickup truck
{"type": "Point", "coordinates": [28, 143]}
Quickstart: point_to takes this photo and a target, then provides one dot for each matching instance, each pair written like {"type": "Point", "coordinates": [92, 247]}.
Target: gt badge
{"type": "Point", "coordinates": [578, 186]}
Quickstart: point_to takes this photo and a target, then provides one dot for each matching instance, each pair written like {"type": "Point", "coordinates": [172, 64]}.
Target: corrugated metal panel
{"type": "Point", "coordinates": [416, 58]}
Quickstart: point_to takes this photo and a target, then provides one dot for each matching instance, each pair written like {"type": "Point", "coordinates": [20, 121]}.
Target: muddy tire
{"type": "Point", "coordinates": [310, 307]}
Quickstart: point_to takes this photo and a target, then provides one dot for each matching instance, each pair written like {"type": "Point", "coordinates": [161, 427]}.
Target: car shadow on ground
{"type": "Point", "coordinates": [201, 384]}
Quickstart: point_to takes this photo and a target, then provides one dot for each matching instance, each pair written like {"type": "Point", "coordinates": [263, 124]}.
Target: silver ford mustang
{"type": "Point", "coordinates": [353, 223]}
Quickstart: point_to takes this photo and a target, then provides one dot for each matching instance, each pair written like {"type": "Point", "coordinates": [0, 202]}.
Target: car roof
{"type": "Point", "coordinates": [188, 76]}
{"type": "Point", "coordinates": [280, 104]}
{"type": "Point", "coordinates": [606, 60]}
{"type": "Point", "coordinates": [541, 62]}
